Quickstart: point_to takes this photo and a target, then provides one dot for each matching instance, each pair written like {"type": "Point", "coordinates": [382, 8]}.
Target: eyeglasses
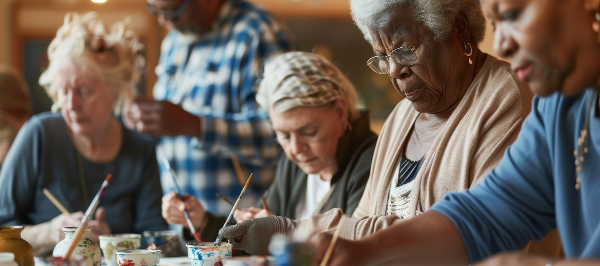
{"type": "Point", "coordinates": [402, 55]}
{"type": "Point", "coordinates": [169, 14]}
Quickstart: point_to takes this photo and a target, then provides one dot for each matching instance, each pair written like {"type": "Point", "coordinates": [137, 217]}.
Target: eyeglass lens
{"type": "Point", "coordinates": [403, 56]}
{"type": "Point", "coordinates": [169, 14]}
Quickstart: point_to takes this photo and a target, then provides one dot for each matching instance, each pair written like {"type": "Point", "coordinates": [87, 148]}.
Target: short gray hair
{"type": "Point", "coordinates": [301, 79]}
{"type": "Point", "coordinates": [83, 38]}
{"type": "Point", "coordinates": [437, 15]}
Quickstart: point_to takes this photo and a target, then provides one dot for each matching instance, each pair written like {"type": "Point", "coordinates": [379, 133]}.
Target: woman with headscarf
{"type": "Point", "coordinates": [549, 178]}
{"type": "Point", "coordinates": [70, 153]}
{"type": "Point", "coordinates": [328, 145]}
{"type": "Point", "coordinates": [15, 108]}
{"type": "Point", "coordinates": [462, 109]}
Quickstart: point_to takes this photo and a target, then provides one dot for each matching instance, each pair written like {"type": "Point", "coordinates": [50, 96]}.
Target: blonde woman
{"type": "Point", "coordinates": [15, 107]}
{"type": "Point", "coordinates": [70, 151]}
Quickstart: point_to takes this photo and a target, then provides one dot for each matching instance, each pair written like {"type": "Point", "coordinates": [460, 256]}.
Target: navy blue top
{"type": "Point", "coordinates": [532, 190]}
{"type": "Point", "coordinates": [43, 156]}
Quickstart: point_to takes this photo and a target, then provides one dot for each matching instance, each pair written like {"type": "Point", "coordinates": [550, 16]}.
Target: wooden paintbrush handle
{"type": "Point", "coordinates": [264, 203]}
{"type": "Point", "coordinates": [75, 240]}
{"type": "Point", "coordinates": [56, 202]}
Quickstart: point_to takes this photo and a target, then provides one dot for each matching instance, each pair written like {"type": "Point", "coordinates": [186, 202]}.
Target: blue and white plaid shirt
{"type": "Point", "coordinates": [217, 84]}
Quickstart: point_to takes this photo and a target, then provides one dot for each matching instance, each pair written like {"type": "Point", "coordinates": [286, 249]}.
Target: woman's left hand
{"type": "Point", "coordinates": [241, 215]}
{"type": "Point", "coordinates": [263, 213]}
{"type": "Point", "coordinates": [515, 259]}
{"type": "Point", "coordinates": [99, 225]}
{"type": "Point", "coordinates": [345, 252]}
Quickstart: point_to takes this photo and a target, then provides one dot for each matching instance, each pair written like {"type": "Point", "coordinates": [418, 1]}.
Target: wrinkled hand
{"type": "Point", "coordinates": [63, 220]}
{"type": "Point", "coordinates": [99, 225]}
{"type": "Point", "coordinates": [241, 215]}
{"type": "Point", "coordinates": [515, 259]}
{"type": "Point", "coordinates": [345, 252]}
{"type": "Point", "coordinates": [160, 118]}
{"type": "Point", "coordinates": [254, 236]}
{"type": "Point", "coordinates": [172, 209]}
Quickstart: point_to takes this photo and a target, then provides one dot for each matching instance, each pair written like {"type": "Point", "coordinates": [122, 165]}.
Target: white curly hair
{"type": "Point", "coordinates": [114, 56]}
{"type": "Point", "coordinates": [437, 15]}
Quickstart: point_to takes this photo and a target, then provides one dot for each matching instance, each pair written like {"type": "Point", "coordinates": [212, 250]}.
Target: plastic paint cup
{"type": "Point", "coordinates": [205, 254]}
{"type": "Point", "coordinates": [138, 257]}
{"type": "Point", "coordinates": [111, 243]}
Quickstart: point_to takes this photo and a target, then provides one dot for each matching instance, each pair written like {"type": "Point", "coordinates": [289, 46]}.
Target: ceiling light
{"type": "Point", "coordinates": [99, 1]}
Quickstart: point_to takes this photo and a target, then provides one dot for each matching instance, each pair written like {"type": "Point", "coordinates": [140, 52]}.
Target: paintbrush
{"type": "Point", "coordinates": [75, 240]}
{"type": "Point", "coordinates": [238, 169]}
{"type": "Point", "coordinates": [224, 199]}
{"type": "Point", "coordinates": [185, 213]}
{"type": "Point", "coordinates": [332, 243]}
{"type": "Point", "coordinates": [96, 200]}
{"type": "Point", "coordinates": [218, 241]}
{"type": "Point", "coordinates": [153, 246]}
{"type": "Point", "coordinates": [264, 203]}
{"type": "Point", "coordinates": [55, 202]}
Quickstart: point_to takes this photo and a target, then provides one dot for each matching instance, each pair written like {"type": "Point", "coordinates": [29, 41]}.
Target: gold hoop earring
{"type": "Point", "coordinates": [469, 53]}
{"type": "Point", "coordinates": [596, 25]}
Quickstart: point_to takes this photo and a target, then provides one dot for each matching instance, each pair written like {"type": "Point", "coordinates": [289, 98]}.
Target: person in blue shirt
{"type": "Point", "coordinates": [69, 152]}
{"type": "Point", "coordinates": [549, 178]}
{"type": "Point", "coordinates": [15, 107]}
{"type": "Point", "coordinates": [204, 108]}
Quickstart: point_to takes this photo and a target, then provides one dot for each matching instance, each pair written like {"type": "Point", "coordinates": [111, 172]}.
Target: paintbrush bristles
{"type": "Point", "coordinates": [75, 240]}
{"type": "Point", "coordinates": [56, 202]}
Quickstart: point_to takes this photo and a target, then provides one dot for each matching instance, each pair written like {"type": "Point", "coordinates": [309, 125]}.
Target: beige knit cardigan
{"type": "Point", "coordinates": [472, 142]}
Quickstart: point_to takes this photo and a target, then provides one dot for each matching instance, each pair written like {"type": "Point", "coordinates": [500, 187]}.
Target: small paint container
{"type": "Point", "coordinates": [174, 248]}
{"type": "Point", "coordinates": [205, 254]}
{"type": "Point", "coordinates": [111, 243]}
{"type": "Point", "coordinates": [138, 257]}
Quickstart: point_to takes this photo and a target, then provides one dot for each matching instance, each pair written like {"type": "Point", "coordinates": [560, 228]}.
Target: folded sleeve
{"type": "Point", "coordinates": [514, 203]}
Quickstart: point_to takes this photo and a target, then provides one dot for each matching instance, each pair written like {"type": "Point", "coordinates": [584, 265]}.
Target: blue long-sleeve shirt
{"type": "Point", "coordinates": [213, 77]}
{"type": "Point", "coordinates": [532, 191]}
{"type": "Point", "coordinates": [43, 156]}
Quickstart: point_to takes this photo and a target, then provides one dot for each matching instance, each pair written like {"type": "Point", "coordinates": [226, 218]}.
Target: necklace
{"type": "Point", "coordinates": [86, 199]}
{"type": "Point", "coordinates": [582, 143]}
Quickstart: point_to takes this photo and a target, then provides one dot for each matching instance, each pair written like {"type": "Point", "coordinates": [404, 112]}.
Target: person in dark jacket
{"type": "Point", "coordinates": [328, 145]}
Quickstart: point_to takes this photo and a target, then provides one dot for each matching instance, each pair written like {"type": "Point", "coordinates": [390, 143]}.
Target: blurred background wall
{"type": "Point", "coordinates": [321, 26]}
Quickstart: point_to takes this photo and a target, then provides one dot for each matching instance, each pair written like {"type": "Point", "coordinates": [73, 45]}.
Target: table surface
{"type": "Point", "coordinates": [185, 261]}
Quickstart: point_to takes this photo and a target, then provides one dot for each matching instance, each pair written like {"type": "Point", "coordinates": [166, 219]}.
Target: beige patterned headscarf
{"type": "Point", "coordinates": [301, 79]}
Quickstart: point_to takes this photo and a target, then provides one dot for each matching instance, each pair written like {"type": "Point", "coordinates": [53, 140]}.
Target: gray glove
{"type": "Point", "coordinates": [254, 235]}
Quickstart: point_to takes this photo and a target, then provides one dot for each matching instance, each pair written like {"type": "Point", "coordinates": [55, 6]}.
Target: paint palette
{"type": "Point", "coordinates": [205, 254]}
{"type": "Point", "coordinates": [138, 257]}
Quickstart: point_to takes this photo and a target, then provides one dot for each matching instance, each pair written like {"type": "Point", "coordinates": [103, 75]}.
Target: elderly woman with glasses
{"type": "Point", "coordinates": [328, 145]}
{"type": "Point", "coordinates": [549, 178]}
{"type": "Point", "coordinates": [462, 109]}
{"type": "Point", "coordinates": [92, 72]}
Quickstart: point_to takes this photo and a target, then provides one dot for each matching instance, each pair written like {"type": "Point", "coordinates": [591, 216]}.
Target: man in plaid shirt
{"type": "Point", "coordinates": [205, 109]}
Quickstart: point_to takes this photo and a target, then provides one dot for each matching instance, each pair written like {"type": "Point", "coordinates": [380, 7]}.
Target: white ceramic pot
{"type": "Point", "coordinates": [7, 259]}
{"type": "Point", "coordinates": [138, 257]}
{"type": "Point", "coordinates": [86, 250]}
{"type": "Point", "coordinates": [111, 243]}
{"type": "Point", "coordinates": [205, 254]}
